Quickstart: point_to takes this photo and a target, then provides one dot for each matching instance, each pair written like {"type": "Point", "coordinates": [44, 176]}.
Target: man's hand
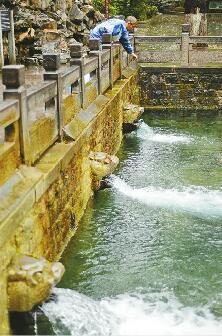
{"type": "Point", "coordinates": [134, 56]}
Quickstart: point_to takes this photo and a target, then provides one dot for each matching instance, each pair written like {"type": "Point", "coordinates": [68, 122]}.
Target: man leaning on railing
{"type": "Point", "coordinates": [119, 30]}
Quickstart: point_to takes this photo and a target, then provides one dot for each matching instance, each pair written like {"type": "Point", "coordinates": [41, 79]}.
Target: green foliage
{"type": "Point", "coordinates": [100, 5]}
{"type": "Point", "coordinates": [164, 5]}
{"type": "Point", "coordinates": [139, 8]}
{"type": "Point", "coordinates": [151, 11]}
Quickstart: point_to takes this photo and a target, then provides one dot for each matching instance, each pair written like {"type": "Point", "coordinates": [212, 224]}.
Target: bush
{"type": "Point", "coordinates": [151, 11]}
{"type": "Point", "coordinates": [141, 9]}
{"type": "Point", "coordinates": [165, 5]}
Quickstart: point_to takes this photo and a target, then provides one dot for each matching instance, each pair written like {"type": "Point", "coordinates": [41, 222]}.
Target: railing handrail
{"type": "Point", "coordinates": [7, 117]}
{"type": "Point", "coordinates": [43, 105]}
{"type": "Point", "coordinates": [205, 39]}
{"type": "Point", "coordinates": [157, 39]}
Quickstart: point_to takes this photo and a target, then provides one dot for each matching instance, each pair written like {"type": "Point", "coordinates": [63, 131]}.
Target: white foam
{"type": "Point", "coordinates": [126, 314]}
{"type": "Point", "coordinates": [147, 133]}
{"type": "Point", "coordinates": [196, 200]}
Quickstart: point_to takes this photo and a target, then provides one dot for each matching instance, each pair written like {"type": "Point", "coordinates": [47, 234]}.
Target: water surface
{"type": "Point", "coordinates": [146, 259]}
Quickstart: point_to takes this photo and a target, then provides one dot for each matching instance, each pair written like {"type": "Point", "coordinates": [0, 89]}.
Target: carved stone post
{"type": "Point", "coordinates": [185, 44]}
{"type": "Point", "coordinates": [108, 44]}
{"type": "Point", "coordinates": [77, 58]}
{"type": "Point", "coordinates": [95, 50]}
{"type": "Point", "coordinates": [11, 40]}
{"type": "Point", "coordinates": [51, 64]}
{"type": "Point", "coordinates": [2, 61]}
{"type": "Point", "coordinates": [13, 77]}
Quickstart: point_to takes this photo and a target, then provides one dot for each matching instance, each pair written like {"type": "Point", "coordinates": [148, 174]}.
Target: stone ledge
{"type": "Point", "coordinates": [17, 196]}
{"type": "Point", "coordinates": [77, 126]}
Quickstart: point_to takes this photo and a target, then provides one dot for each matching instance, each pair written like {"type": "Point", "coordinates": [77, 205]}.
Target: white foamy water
{"type": "Point", "coordinates": [126, 314]}
{"type": "Point", "coordinates": [196, 200]}
{"type": "Point", "coordinates": [147, 133]}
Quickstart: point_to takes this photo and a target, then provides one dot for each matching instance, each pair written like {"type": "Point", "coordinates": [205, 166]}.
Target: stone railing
{"type": "Point", "coordinates": [32, 119]}
{"type": "Point", "coordinates": [181, 50]}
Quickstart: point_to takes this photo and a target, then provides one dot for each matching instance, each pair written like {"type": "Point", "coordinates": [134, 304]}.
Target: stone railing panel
{"type": "Point", "coordinates": [42, 119]}
{"type": "Point", "coordinates": [116, 63]}
{"type": "Point", "coordinates": [105, 80]}
{"type": "Point", "coordinates": [158, 49]}
{"type": "Point", "coordinates": [105, 55]}
{"type": "Point", "coordinates": [9, 139]}
{"type": "Point", "coordinates": [182, 50]}
{"type": "Point", "coordinates": [91, 80]}
{"type": "Point", "coordinates": [205, 57]}
{"type": "Point", "coordinates": [71, 97]}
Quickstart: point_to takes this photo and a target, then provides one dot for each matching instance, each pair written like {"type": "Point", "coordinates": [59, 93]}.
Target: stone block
{"type": "Point", "coordinates": [76, 50]}
{"type": "Point", "coordinates": [13, 76]}
{"type": "Point", "coordinates": [107, 38]}
{"type": "Point", "coordinates": [94, 44]}
{"type": "Point", "coordinates": [185, 28]}
{"type": "Point", "coordinates": [51, 62]}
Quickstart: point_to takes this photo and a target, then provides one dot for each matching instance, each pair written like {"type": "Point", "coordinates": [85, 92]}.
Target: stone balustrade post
{"type": "Point", "coordinates": [11, 40]}
{"type": "Point", "coordinates": [95, 47]}
{"type": "Point", "coordinates": [51, 64]}
{"type": "Point", "coordinates": [13, 77]}
{"type": "Point", "coordinates": [108, 44]}
{"type": "Point", "coordinates": [77, 58]}
{"type": "Point", "coordinates": [185, 44]}
{"type": "Point", "coordinates": [132, 40]}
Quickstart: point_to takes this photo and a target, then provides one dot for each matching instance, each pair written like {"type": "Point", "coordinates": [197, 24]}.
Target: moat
{"type": "Point", "coordinates": [146, 257]}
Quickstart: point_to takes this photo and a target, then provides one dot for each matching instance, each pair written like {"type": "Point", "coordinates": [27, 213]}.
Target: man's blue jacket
{"type": "Point", "coordinates": [118, 30]}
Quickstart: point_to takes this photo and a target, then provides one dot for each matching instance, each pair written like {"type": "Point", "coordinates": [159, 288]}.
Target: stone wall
{"type": "Point", "coordinates": [180, 87]}
{"type": "Point", "coordinates": [64, 172]}
{"type": "Point", "coordinates": [41, 25]}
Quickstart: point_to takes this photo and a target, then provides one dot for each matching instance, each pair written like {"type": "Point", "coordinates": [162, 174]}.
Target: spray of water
{"type": "Point", "coordinates": [196, 200]}
{"type": "Point", "coordinates": [147, 133]}
{"type": "Point", "coordinates": [128, 314]}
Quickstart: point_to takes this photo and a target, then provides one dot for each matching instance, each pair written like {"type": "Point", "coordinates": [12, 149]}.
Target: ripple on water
{"type": "Point", "coordinates": [158, 228]}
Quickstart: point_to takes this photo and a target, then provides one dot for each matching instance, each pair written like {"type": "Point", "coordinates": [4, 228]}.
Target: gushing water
{"type": "Point", "coordinates": [147, 133]}
{"type": "Point", "coordinates": [196, 200]}
{"type": "Point", "coordinates": [146, 259]}
{"type": "Point", "coordinates": [128, 314]}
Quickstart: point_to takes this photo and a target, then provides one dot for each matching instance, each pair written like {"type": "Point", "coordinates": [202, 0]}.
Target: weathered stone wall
{"type": "Point", "coordinates": [64, 173]}
{"type": "Point", "coordinates": [167, 87]}
{"type": "Point", "coordinates": [42, 25]}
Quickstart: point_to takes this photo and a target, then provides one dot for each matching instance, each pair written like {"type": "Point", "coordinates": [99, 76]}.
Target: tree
{"type": "Point", "coordinates": [138, 8]}
{"type": "Point", "coordinates": [196, 16]}
{"type": "Point", "coordinates": [190, 6]}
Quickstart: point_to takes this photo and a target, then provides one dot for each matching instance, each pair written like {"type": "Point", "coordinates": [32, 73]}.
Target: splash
{"type": "Point", "coordinates": [196, 200]}
{"type": "Point", "coordinates": [128, 314]}
{"type": "Point", "coordinates": [147, 133]}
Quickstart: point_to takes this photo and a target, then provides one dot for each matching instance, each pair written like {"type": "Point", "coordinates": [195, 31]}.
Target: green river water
{"type": "Point", "coordinates": [146, 259]}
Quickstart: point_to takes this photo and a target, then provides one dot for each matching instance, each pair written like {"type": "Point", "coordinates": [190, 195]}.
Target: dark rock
{"type": "Point", "coordinates": [75, 14]}
{"type": "Point", "coordinates": [128, 128]}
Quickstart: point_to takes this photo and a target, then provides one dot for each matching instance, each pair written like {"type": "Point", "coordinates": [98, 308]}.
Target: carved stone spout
{"type": "Point", "coordinates": [131, 114]}
{"type": "Point", "coordinates": [102, 164]}
{"type": "Point", "coordinates": [30, 281]}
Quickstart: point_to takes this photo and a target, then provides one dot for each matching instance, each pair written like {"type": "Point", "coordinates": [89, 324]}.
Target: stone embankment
{"type": "Point", "coordinates": [60, 138]}
{"type": "Point", "coordinates": [194, 88]}
{"type": "Point", "coordinates": [46, 25]}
